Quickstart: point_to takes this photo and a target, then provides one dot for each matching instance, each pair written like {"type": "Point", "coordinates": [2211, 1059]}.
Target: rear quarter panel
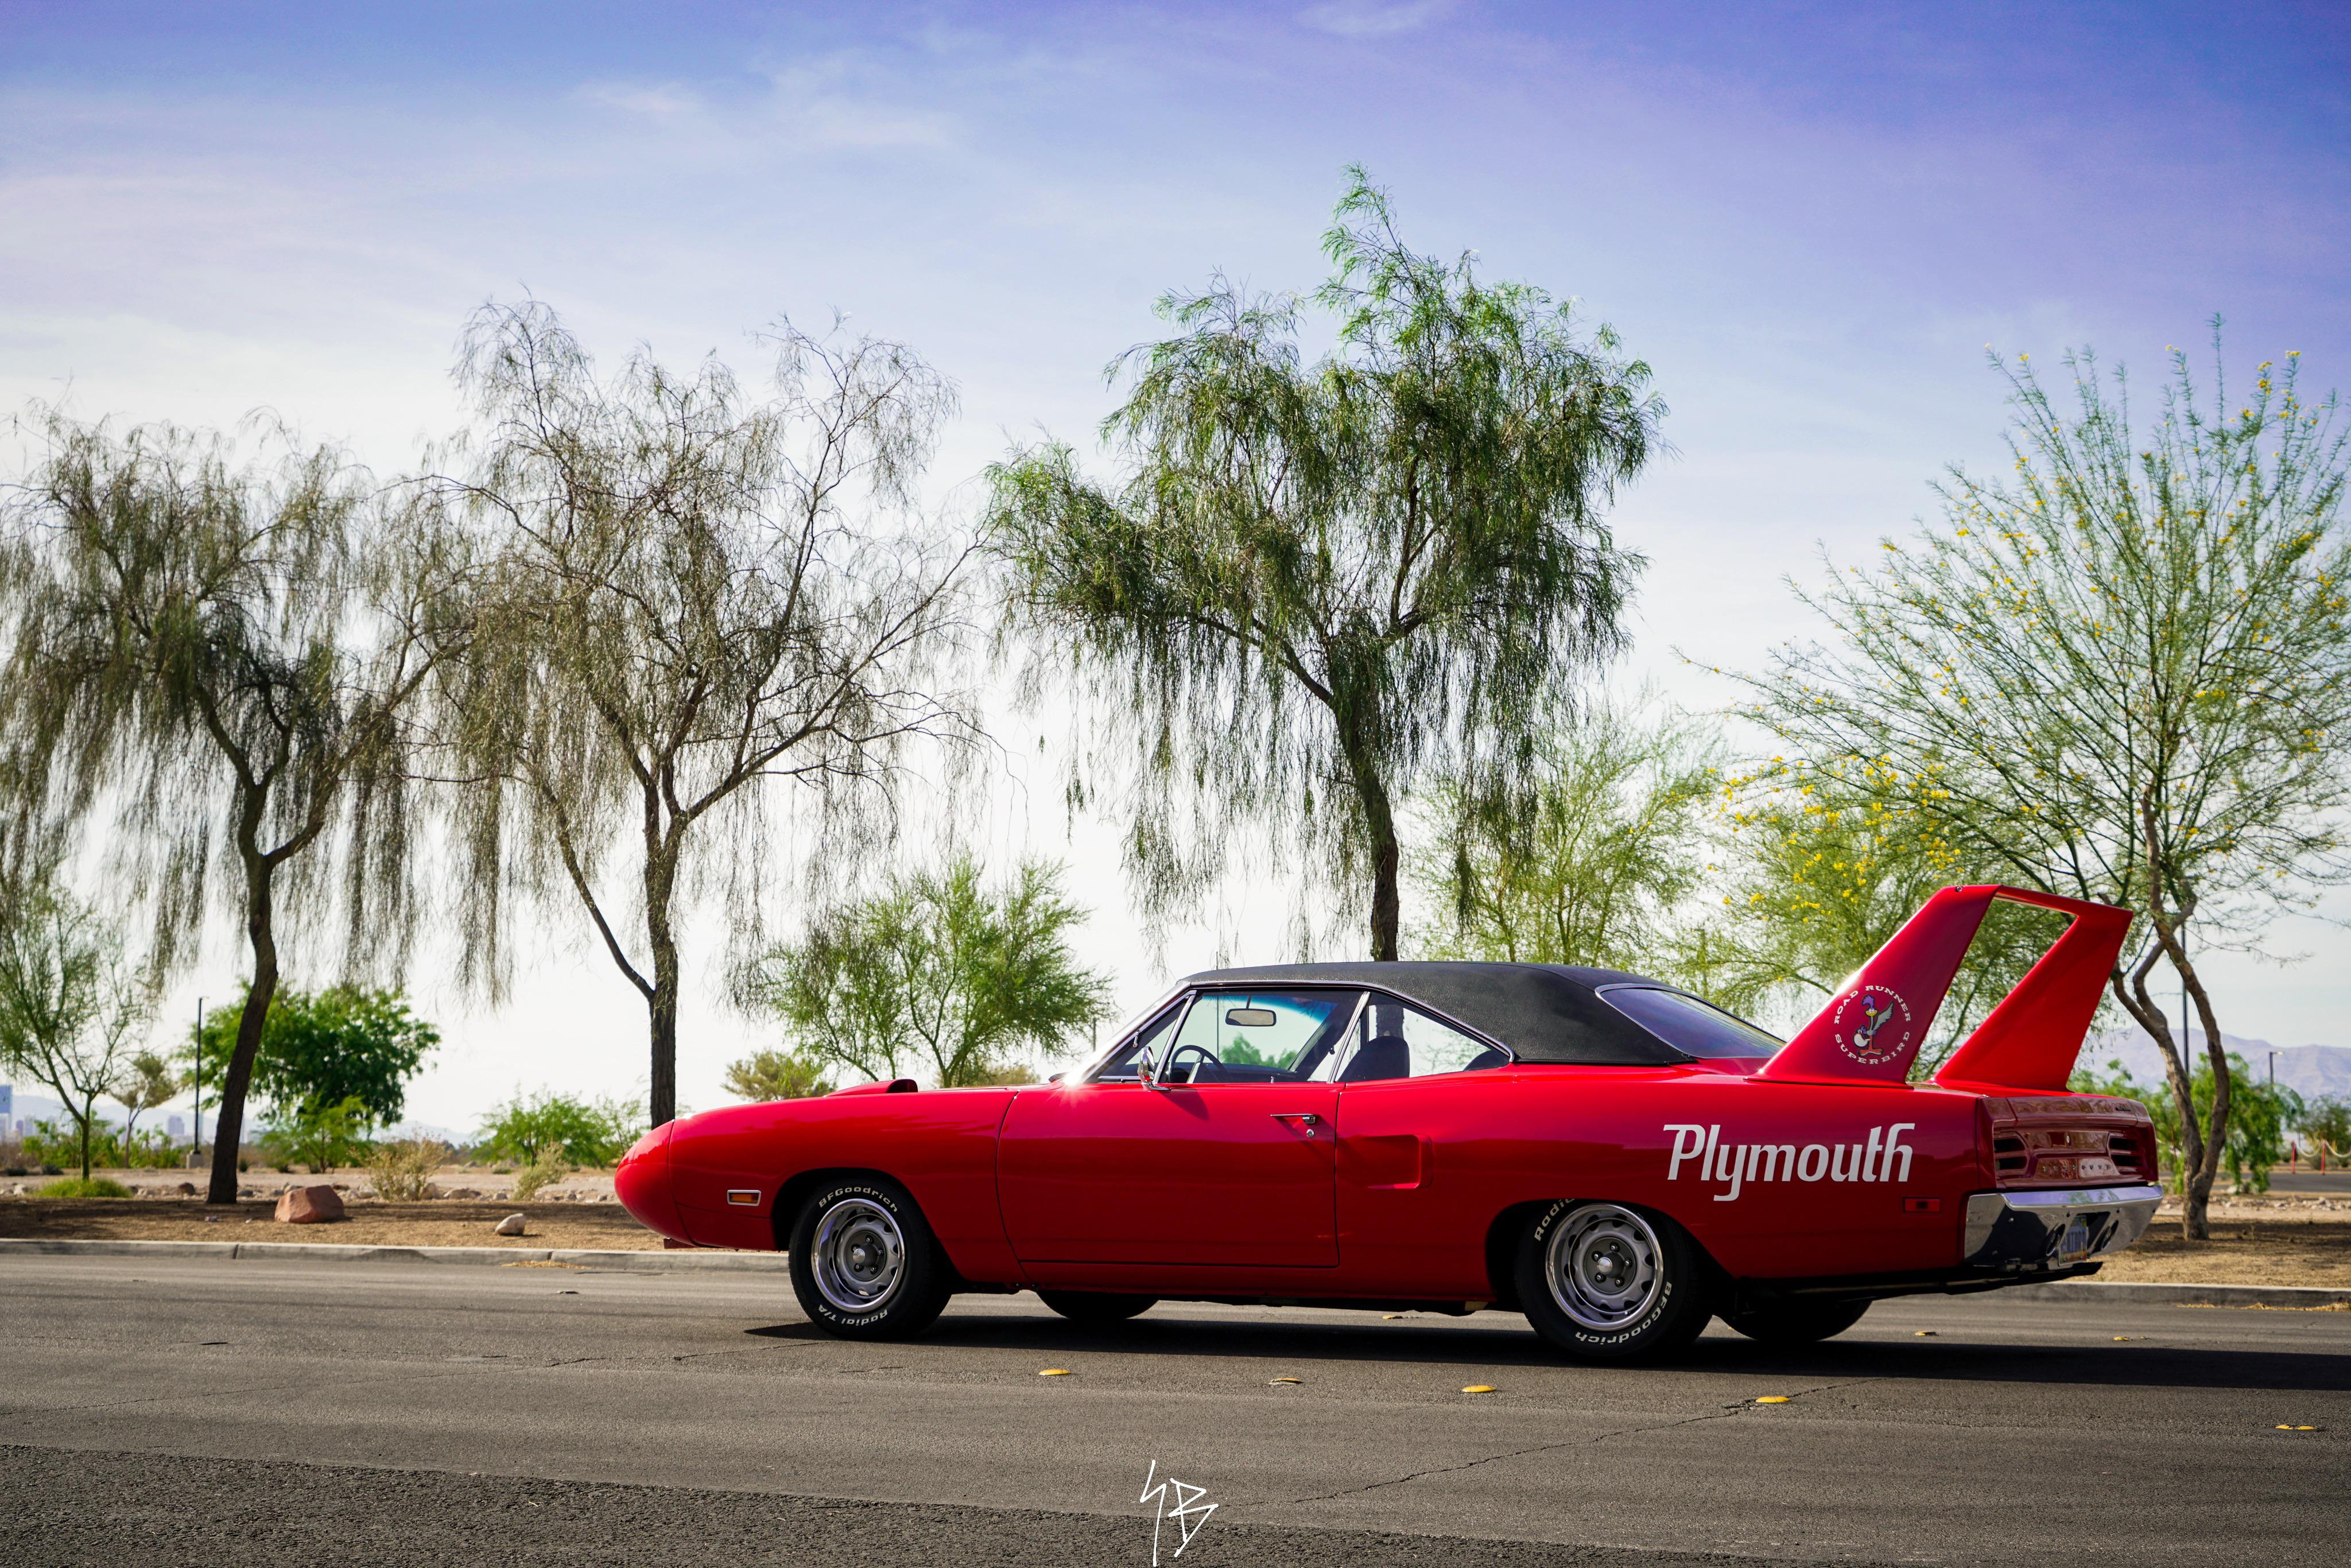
{"type": "Point", "coordinates": [940, 1143]}
{"type": "Point", "coordinates": [1426, 1166]}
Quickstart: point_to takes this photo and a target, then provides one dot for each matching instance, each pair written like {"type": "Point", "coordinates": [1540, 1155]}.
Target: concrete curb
{"type": "Point", "coordinates": [2106, 1292]}
{"type": "Point", "coordinates": [2290, 1298]}
{"type": "Point", "coordinates": [646, 1261]}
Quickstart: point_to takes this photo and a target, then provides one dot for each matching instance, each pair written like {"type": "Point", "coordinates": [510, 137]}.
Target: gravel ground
{"type": "Point", "coordinates": [443, 1222]}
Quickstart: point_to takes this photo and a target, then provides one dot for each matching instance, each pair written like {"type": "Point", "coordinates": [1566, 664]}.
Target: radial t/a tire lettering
{"type": "Point", "coordinates": [865, 1264]}
{"type": "Point", "coordinates": [1611, 1282]}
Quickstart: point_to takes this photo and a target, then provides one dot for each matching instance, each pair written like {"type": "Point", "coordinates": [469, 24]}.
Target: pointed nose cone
{"type": "Point", "coordinates": [641, 1183]}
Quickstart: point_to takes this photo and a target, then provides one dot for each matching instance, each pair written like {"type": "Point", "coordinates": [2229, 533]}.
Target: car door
{"type": "Point", "coordinates": [1219, 1152]}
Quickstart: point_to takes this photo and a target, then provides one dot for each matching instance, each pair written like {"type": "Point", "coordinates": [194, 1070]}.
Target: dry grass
{"type": "Point", "coordinates": [433, 1223]}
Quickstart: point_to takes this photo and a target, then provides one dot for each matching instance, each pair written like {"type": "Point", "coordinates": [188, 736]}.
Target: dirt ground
{"type": "Point", "coordinates": [2297, 1244]}
{"type": "Point", "coordinates": [441, 1222]}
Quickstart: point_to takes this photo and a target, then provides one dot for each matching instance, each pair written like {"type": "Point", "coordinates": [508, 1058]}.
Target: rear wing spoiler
{"type": "Point", "coordinates": [1871, 1030]}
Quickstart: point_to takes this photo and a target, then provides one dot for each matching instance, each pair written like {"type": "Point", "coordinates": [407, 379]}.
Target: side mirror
{"type": "Point", "coordinates": [1146, 1072]}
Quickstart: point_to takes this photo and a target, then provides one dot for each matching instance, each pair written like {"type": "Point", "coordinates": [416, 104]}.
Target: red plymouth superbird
{"type": "Point", "coordinates": [1611, 1155]}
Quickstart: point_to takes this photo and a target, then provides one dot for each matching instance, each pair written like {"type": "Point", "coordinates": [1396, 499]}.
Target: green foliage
{"type": "Point", "coordinates": [148, 1084]}
{"type": "Point", "coordinates": [83, 1187]}
{"type": "Point", "coordinates": [2328, 1118]}
{"type": "Point", "coordinates": [1316, 581]}
{"type": "Point", "coordinates": [70, 1007]}
{"type": "Point", "coordinates": [2260, 1116]}
{"type": "Point", "coordinates": [318, 1135]}
{"type": "Point", "coordinates": [319, 1048]}
{"type": "Point", "coordinates": [768, 1075]}
{"type": "Point", "coordinates": [548, 1128]}
{"type": "Point", "coordinates": [111, 1148]}
{"type": "Point", "coordinates": [1813, 889]}
{"type": "Point", "coordinates": [1586, 858]}
{"type": "Point", "coordinates": [2120, 671]}
{"type": "Point", "coordinates": [971, 977]}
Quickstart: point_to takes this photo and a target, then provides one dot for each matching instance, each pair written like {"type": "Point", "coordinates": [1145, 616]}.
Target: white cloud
{"type": "Point", "coordinates": [1355, 19]}
{"type": "Point", "coordinates": [658, 101]}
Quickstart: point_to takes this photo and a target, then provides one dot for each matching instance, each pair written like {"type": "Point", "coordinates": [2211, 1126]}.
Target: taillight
{"type": "Point", "coordinates": [2069, 1140]}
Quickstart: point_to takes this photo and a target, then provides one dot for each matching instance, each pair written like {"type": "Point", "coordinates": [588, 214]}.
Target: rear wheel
{"type": "Point", "coordinates": [1797, 1322]}
{"type": "Point", "coordinates": [1605, 1281]}
{"type": "Point", "coordinates": [1095, 1306]}
{"type": "Point", "coordinates": [864, 1265]}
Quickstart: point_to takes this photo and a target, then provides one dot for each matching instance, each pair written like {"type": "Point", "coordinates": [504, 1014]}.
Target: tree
{"type": "Point", "coordinates": [148, 1083]}
{"type": "Point", "coordinates": [968, 975]}
{"type": "Point", "coordinates": [2123, 673]}
{"type": "Point", "coordinates": [319, 1048]}
{"type": "Point", "coordinates": [767, 1075]}
{"type": "Point", "coordinates": [2326, 1123]}
{"type": "Point", "coordinates": [701, 595]}
{"type": "Point", "coordinates": [2256, 1128]}
{"type": "Point", "coordinates": [70, 1009]}
{"type": "Point", "coordinates": [1317, 581]}
{"type": "Point", "coordinates": [546, 1127]}
{"type": "Point", "coordinates": [1586, 859]}
{"type": "Point", "coordinates": [1812, 890]}
{"type": "Point", "coordinates": [223, 659]}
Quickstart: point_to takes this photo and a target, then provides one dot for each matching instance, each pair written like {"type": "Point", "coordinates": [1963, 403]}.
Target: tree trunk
{"type": "Point", "coordinates": [228, 1114]}
{"type": "Point", "coordinates": [1379, 822]}
{"type": "Point", "coordinates": [89, 1113]}
{"type": "Point", "coordinates": [660, 1002]}
{"type": "Point", "coordinates": [2195, 1223]}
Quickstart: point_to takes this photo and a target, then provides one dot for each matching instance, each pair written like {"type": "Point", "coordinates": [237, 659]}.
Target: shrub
{"type": "Point", "coordinates": [84, 1187]}
{"type": "Point", "coordinates": [534, 1178]}
{"type": "Point", "coordinates": [320, 1137]}
{"type": "Point", "coordinates": [46, 1144]}
{"type": "Point", "coordinates": [547, 1128]}
{"type": "Point", "coordinates": [403, 1168]}
{"type": "Point", "coordinates": [768, 1075]}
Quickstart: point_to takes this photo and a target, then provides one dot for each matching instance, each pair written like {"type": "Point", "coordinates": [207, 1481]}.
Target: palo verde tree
{"type": "Point", "coordinates": [938, 972]}
{"type": "Point", "coordinates": [223, 659]}
{"type": "Point", "coordinates": [1587, 858]}
{"type": "Point", "coordinates": [2122, 672]}
{"type": "Point", "coordinates": [700, 594]}
{"type": "Point", "coordinates": [71, 1010]}
{"type": "Point", "coordinates": [1317, 580]}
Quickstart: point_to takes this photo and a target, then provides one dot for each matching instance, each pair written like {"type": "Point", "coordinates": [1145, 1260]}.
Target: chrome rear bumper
{"type": "Point", "coordinates": [2022, 1232]}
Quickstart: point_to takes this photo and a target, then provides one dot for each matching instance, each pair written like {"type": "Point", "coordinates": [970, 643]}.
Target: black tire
{"type": "Point", "coordinates": [1574, 1256]}
{"type": "Point", "coordinates": [1797, 1322]}
{"type": "Point", "coordinates": [865, 1263]}
{"type": "Point", "coordinates": [1096, 1306]}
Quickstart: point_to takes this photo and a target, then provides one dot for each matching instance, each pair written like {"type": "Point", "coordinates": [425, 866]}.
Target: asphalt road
{"type": "Point", "coordinates": [199, 1410]}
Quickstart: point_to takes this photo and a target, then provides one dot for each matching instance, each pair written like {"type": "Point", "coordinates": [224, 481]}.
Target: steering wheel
{"type": "Point", "coordinates": [1207, 1058]}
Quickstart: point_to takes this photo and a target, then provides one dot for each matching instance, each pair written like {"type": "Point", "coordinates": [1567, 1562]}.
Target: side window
{"type": "Point", "coordinates": [1242, 1037]}
{"type": "Point", "coordinates": [1396, 1039]}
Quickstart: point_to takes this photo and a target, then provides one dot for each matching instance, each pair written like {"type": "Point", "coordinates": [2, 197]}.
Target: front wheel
{"type": "Point", "coordinates": [1096, 1306]}
{"type": "Point", "coordinates": [1605, 1281]}
{"type": "Point", "coordinates": [1797, 1322]}
{"type": "Point", "coordinates": [864, 1265]}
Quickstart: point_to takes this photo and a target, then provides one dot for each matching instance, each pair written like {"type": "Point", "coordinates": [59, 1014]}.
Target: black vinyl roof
{"type": "Point", "coordinates": [1543, 1012]}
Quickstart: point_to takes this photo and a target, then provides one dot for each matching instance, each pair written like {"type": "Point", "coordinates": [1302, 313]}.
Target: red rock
{"type": "Point", "coordinates": [308, 1206]}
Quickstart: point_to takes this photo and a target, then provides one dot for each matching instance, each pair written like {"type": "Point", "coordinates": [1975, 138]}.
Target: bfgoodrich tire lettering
{"type": "Point", "coordinates": [865, 1264]}
{"type": "Point", "coordinates": [1612, 1282]}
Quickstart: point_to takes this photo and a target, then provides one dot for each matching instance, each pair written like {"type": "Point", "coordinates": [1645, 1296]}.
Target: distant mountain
{"type": "Point", "coordinates": [2310, 1071]}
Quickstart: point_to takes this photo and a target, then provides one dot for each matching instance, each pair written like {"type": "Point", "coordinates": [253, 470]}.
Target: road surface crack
{"type": "Point", "coordinates": [1743, 1407]}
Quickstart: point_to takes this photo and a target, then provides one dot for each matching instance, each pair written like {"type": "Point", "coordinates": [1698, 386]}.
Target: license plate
{"type": "Point", "coordinates": [2076, 1244]}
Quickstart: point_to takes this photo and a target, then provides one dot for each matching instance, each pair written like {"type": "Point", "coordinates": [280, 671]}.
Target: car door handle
{"type": "Point", "coordinates": [1307, 1120]}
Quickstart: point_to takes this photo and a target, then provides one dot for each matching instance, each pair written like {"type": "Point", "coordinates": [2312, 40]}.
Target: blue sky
{"type": "Point", "coordinates": [1811, 220]}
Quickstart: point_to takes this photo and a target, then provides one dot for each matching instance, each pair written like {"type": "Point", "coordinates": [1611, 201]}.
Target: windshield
{"type": "Point", "coordinates": [1689, 1025]}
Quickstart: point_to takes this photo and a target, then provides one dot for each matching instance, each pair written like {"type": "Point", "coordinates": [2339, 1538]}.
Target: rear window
{"type": "Point", "coordinates": [1689, 1025]}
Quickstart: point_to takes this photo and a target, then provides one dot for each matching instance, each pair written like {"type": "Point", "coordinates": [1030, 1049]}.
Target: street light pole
{"type": "Point", "coordinates": [197, 1089]}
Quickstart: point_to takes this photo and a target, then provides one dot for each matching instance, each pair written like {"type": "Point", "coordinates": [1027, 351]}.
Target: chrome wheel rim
{"type": "Point", "coordinates": [860, 1255]}
{"type": "Point", "coordinates": [1605, 1266]}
